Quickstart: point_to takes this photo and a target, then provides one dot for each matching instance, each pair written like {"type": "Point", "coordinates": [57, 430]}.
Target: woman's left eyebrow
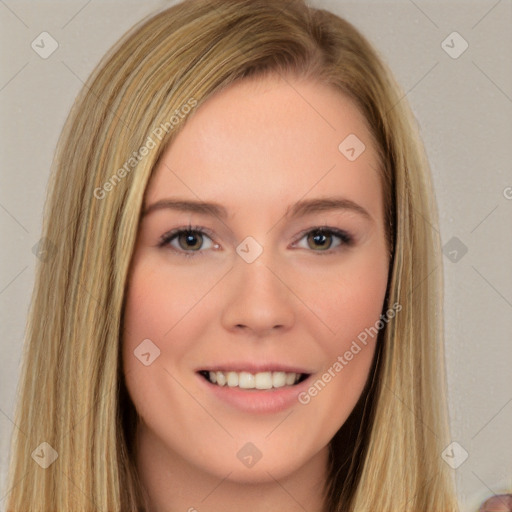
{"type": "Point", "coordinates": [298, 209]}
{"type": "Point", "coordinates": [322, 204]}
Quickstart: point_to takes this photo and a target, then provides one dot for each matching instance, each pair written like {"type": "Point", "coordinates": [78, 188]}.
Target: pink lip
{"type": "Point", "coordinates": [256, 401]}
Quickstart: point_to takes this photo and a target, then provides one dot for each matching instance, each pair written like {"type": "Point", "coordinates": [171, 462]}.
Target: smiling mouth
{"type": "Point", "coordinates": [248, 380]}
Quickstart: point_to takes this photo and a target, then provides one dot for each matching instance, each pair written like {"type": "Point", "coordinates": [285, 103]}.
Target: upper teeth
{"type": "Point", "coordinates": [246, 380]}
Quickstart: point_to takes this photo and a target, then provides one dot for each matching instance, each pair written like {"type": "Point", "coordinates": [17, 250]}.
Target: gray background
{"type": "Point", "coordinates": [464, 108]}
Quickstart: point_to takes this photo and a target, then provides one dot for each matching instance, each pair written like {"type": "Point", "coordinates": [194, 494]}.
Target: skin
{"type": "Point", "coordinates": [255, 148]}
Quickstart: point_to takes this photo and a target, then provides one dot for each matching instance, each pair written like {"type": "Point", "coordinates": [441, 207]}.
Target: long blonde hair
{"type": "Point", "coordinates": [387, 457]}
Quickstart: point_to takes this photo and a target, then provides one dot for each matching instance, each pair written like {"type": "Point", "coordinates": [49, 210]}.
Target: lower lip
{"type": "Point", "coordinates": [257, 401]}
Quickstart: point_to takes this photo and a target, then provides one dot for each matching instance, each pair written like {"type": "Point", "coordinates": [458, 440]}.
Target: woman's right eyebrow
{"type": "Point", "coordinates": [298, 209]}
{"type": "Point", "coordinates": [187, 205]}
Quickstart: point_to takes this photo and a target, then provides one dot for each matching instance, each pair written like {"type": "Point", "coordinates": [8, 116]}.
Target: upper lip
{"type": "Point", "coordinates": [252, 367]}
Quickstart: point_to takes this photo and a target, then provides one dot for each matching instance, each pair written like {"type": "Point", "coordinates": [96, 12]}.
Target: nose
{"type": "Point", "coordinates": [258, 297]}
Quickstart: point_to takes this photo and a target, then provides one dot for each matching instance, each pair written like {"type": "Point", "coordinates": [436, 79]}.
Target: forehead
{"type": "Point", "coordinates": [271, 141]}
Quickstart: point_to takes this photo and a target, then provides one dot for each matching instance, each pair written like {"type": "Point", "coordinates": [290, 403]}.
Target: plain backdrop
{"type": "Point", "coordinates": [463, 103]}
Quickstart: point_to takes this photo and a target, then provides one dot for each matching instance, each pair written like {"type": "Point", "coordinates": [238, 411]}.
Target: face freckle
{"type": "Point", "coordinates": [260, 290]}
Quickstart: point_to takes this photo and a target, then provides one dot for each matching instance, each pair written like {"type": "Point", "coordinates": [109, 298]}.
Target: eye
{"type": "Point", "coordinates": [189, 240]}
{"type": "Point", "coordinates": [322, 238]}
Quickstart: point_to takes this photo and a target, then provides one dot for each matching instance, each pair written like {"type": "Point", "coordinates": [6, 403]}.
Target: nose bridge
{"type": "Point", "coordinates": [259, 276]}
{"type": "Point", "coordinates": [255, 258]}
{"type": "Point", "coordinates": [257, 297]}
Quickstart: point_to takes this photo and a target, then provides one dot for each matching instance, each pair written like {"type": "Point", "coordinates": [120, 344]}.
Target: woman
{"type": "Point", "coordinates": [188, 347]}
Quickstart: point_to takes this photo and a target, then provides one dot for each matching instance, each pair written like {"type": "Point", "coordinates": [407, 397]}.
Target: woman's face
{"type": "Point", "coordinates": [253, 294]}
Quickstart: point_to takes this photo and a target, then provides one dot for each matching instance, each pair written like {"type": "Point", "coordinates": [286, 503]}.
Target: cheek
{"type": "Point", "coordinates": [348, 321]}
{"type": "Point", "coordinates": [161, 326]}
{"type": "Point", "coordinates": [150, 321]}
{"type": "Point", "coordinates": [347, 300]}
{"type": "Point", "coordinates": [159, 301]}
{"type": "Point", "coordinates": [148, 316]}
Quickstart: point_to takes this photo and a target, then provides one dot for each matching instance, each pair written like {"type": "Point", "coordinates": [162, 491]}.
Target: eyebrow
{"type": "Point", "coordinates": [298, 209]}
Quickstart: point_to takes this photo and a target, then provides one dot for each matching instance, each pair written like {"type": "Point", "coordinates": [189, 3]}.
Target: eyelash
{"type": "Point", "coordinates": [346, 238]}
